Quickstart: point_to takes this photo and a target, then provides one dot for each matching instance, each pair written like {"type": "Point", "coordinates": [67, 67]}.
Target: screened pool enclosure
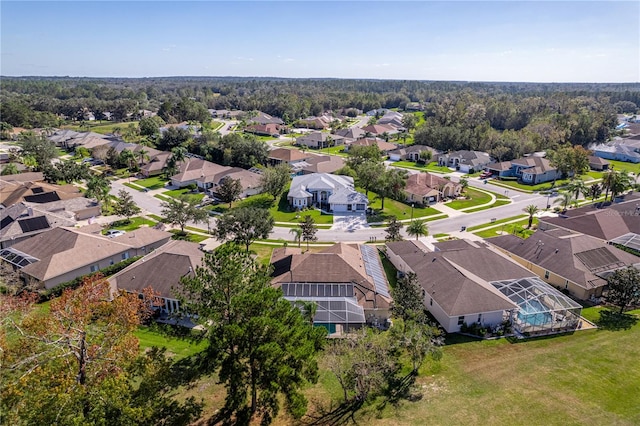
{"type": "Point", "coordinates": [542, 308]}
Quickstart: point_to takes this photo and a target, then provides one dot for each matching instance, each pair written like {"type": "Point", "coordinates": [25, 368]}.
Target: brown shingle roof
{"type": "Point", "coordinates": [555, 250]}
{"type": "Point", "coordinates": [161, 269]}
{"type": "Point", "coordinates": [604, 223]}
{"type": "Point", "coordinates": [425, 183]}
{"type": "Point", "coordinates": [288, 155]}
{"type": "Point", "coordinates": [340, 263]}
{"type": "Point", "coordinates": [459, 280]}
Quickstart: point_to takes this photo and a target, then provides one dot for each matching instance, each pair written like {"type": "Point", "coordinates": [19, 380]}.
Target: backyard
{"type": "Point", "coordinates": [133, 224]}
{"type": "Point", "coordinates": [622, 165]}
{"type": "Point", "coordinates": [587, 377]}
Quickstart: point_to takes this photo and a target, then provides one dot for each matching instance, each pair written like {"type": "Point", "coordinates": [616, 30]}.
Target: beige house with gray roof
{"type": "Point", "coordinates": [62, 254]}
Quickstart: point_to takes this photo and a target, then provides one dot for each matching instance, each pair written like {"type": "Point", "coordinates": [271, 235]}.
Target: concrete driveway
{"type": "Point", "coordinates": [349, 221]}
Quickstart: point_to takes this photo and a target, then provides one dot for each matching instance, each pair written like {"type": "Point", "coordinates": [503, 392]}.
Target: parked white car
{"type": "Point", "coordinates": [112, 233]}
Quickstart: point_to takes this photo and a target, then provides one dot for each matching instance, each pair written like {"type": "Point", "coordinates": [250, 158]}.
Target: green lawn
{"type": "Point", "coordinates": [621, 165]}
{"type": "Point", "coordinates": [477, 198]}
{"type": "Point", "coordinates": [136, 222]}
{"type": "Point", "coordinates": [155, 182]}
{"type": "Point", "coordinates": [498, 203]}
{"type": "Point", "coordinates": [517, 228]}
{"type": "Point", "coordinates": [175, 193]}
{"type": "Point", "coordinates": [176, 347]}
{"type": "Point", "coordinates": [588, 378]}
{"type": "Point", "coordinates": [281, 211]}
{"type": "Point", "coordinates": [102, 127]}
{"type": "Point", "coordinates": [395, 208]}
{"type": "Point", "coordinates": [431, 167]}
{"type": "Point", "coordinates": [334, 150]}
{"type": "Point", "coordinates": [133, 186]}
{"type": "Point", "coordinates": [507, 219]}
{"type": "Point", "coordinates": [194, 238]}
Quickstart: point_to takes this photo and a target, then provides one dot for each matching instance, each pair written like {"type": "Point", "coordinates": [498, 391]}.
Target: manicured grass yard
{"type": "Point", "coordinates": [281, 211]}
{"type": "Point", "coordinates": [396, 208]}
{"type": "Point", "coordinates": [431, 167]}
{"type": "Point", "coordinates": [621, 165]}
{"type": "Point", "coordinates": [589, 377]}
{"type": "Point", "coordinates": [175, 193]}
{"type": "Point", "coordinates": [517, 228]}
{"type": "Point", "coordinates": [334, 150]}
{"type": "Point", "coordinates": [477, 198]}
{"type": "Point", "coordinates": [176, 347]}
{"type": "Point", "coordinates": [194, 238]}
{"type": "Point", "coordinates": [155, 182]}
{"type": "Point", "coordinates": [497, 222]}
{"type": "Point", "coordinates": [99, 127]}
{"type": "Point", "coordinates": [135, 223]}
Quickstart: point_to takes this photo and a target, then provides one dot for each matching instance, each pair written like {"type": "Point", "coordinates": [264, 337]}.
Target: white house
{"type": "Point", "coordinates": [326, 191]}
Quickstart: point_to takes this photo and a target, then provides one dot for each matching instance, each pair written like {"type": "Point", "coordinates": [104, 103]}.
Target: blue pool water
{"type": "Point", "coordinates": [530, 313]}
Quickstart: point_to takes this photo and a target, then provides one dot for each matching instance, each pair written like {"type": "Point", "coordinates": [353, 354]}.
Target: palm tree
{"type": "Point", "coordinates": [578, 187]}
{"type": "Point", "coordinates": [566, 198]}
{"type": "Point", "coordinates": [595, 191]}
{"type": "Point", "coordinates": [142, 154]}
{"type": "Point", "coordinates": [179, 153]}
{"type": "Point", "coordinates": [531, 210]}
{"type": "Point", "coordinates": [98, 187]}
{"type": "Point", "coordinates": [607, 180]}
{"type": "Point", "coordinates": [418, 228]}
{"type": "Point", "coordinates": [128, 157]}
{"type": "Point", "coordinates": [464, 183]}
{"type": "Point", "coordinates": [297, 235]}
{"type": "Point", "coordinates": [621, 182]}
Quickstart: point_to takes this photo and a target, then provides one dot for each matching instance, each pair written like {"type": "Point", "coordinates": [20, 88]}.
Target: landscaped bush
{"type": "Point", "coordinates": [483, 331]}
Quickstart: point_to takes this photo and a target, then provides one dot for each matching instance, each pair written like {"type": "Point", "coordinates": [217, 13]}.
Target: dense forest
{"type": "Point", "coordinates": [505, 119]}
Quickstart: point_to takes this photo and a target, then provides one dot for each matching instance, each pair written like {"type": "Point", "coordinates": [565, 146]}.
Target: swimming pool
{"type": "Point", "coordinates": [533, 312]}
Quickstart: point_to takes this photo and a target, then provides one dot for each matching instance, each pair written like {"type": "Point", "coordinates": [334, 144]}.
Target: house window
{"type": "Point", "coordinates": [431, 302]}
{"type": "Point", "coordinates": [461, 320]}
{"type": "Point", "coordinates": [566, 284]}
{"type": "Point", "coordinates": [125, 255]}
{"type": "Point", "coordinates": [546, 275]}
{"type": "Point", "coordinates": [479, 318]}
{"type": "Point", "coordinates": [111, 261]}
{"type": "Point", "coordinates": [94, 268]}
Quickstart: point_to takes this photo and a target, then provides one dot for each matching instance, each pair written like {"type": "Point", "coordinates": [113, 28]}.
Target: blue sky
{"type": "Point", "coordinates": [543, 41]}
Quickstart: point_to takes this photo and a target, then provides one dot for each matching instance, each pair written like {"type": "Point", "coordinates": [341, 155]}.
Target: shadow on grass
{"type": "Point", "coordinates": [614, 321]}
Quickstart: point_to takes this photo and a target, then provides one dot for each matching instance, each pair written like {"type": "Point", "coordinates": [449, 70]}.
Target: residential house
{"type": "Point", "coordinates": [79, 207]}
{"type": "Point", "coordinates": [22, 177]}
{"type": "Point", "coordinates": [618, 223]}
{"type": "Point", "coordinates": [346, 282]}
{"type": "Point", "coordinates": [322, 164]}
{"type": "Point", "coordinates": [161, 270]}
{"type": "Point", "coordinates": [618, 151]}
{"type": "Point", "coordinates": [392, 118]}
{"type": "Point", "coordinates": [262, 118]}
{"type": "Point", "coordinates": [19, 222]}
{"type": "Point", "coordinates": [384, 147]}
{"type": "Point", "coordinates": [598, 163]}
{"type": "Point", "coordinates": [426, 188]}
{"type": "Point", "coordinates": [326, 191]}
{"type": "Point", "coordinates": [271, 129]}
{"type": "Point", "coordinates": [412, 153]}
{"type": "Point", "coordinates": [576, 263]}
{"type": "Point", "coordinates": [62, 254]}
{"type": "Point", "coordinates": [465, 161]}
{"type": "Point", "coordinates": [318, 123]}
{"type": "Point", "coordinates": [155, 165]}
{"type": "Point", "coordinates": [293, 157]}
{"type": "Point", "coordinates": [208, 176]}
{"type": "Point", "coordinates": [319, 140]}
{"type": "Point", "coordinates": [12, 192]}
{"type": "Point", "coordinates": [380, 129]}
{"type": "Point", "coordinates": [352, 133]}
{"type": "Point", "coordinates": [530, 170]}
{"type": "Point", "coordinates": [472, 284]}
